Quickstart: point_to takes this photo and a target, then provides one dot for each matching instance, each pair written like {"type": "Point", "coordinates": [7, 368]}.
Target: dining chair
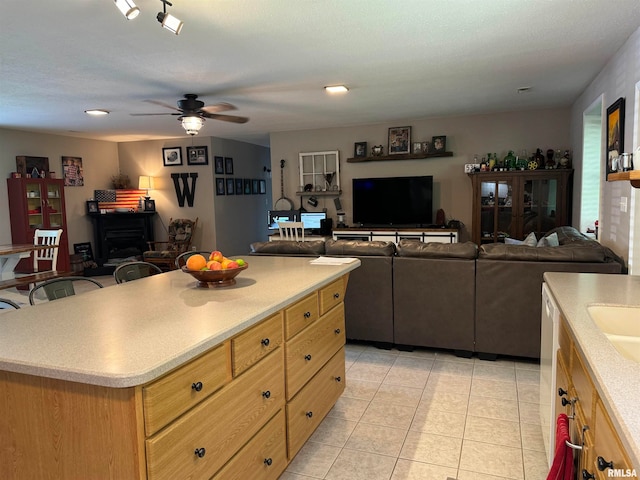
{"type": "Point", "coordinates": [128, 271]}
{"type": "Point", "coordinates": [181, 260]}
{"type": "Point", "coordinates": [163, 253]}
{"type": "Point", "coordinates": [57, 288]}
{"type": "Point", "coordinates": [289, 231]}
{"type": "Point", "coordinates": [46, 237]}
{"type": "Point", "coordinates": [6, 304]}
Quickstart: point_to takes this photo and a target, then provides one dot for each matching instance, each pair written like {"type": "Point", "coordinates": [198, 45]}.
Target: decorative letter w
{"type": "Point", "coordinates": [185, 191]}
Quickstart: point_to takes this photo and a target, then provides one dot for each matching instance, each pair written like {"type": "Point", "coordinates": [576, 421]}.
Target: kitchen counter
{"type": "Point", "coordinates": [616, 378]}
{"type": "Point", "coordinates": [129, 334]}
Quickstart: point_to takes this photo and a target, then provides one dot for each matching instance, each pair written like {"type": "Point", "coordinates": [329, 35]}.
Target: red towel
{"type": "Point", "coordinates": [562, 466]}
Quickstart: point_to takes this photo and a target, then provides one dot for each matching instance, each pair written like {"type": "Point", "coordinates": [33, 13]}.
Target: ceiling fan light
{"type": "Point", "coordinates": [128, 9]}
{"type": "Point", "coordinates": [192, 124]}
{"type": "Point", "coordinates": [170, 22]}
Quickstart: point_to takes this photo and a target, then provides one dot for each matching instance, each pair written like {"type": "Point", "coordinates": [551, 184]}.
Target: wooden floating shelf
{"type": "Point", "coordinates": [633, 176]}
{"type": "Point", "coordinates": [400, 156]}
{"type": "Point", "coordinates": [327, 193]}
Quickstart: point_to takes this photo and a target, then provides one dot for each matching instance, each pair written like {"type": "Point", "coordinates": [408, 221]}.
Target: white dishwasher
{"type": "Point", "coordinates": [549, 328]}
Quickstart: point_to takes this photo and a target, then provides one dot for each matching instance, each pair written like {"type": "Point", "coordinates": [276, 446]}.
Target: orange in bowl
{"type": "Point", "coordinates": [196, 262]}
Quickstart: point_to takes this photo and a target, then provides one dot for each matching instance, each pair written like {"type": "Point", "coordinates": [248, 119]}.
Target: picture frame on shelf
{"type": "Point", "coordinates": [615, 135]}
{"type": "Point", "coordinates": [149, 205]}
{"type": "Point", "coordinates": [439, 144]}
{"type": "Point", "coordinates": [25, 165]}
{"type": "Point", "coordinates": [239, 186]}
{"type": "Point", "coordinates": [230, 186]}
{"type": "Point", "coordinates": [417, 147]}
{"type": "Point", "coordinates": [360, 150]}
{"type": "Point", "coordinates": [197, 156]}
{"type": "Point", "coordinates": [219, 185]}
{"type": "Point", "coordinates": [399, 140]}
{"type": "Point", "coordinates": [228, 165]}
{"type": "Point", "coordinates": [172, 156]}
{"type": "Point", "coordinates": [426, 147]}
{"type": "Point", "coordinates": [219, 165]}
{"type": "Point", "coordinates": [92, 206]}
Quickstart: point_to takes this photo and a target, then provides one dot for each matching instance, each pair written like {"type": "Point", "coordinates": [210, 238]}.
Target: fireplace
{"type": "Point", "coordinates": [120, 237]}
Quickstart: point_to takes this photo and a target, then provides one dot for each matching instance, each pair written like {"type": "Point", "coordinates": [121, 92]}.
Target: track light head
{"type": "Point", "coordinates": [127, 8]}
{"type": "Point", "coordinates": [167, 20]}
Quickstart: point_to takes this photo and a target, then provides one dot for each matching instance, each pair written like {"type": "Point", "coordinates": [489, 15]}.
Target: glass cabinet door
{"type": "Point", "coordinates": [35, 200]}
{"type": "Point", "coordinates": [496, 210]}
{"type": "Point", "coordinates": [54, 205]}
{"type": "Point", "coordinates": [540, 206]}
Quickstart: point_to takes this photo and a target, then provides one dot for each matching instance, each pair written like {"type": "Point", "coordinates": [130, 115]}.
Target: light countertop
{"type": "Point", "coordinates": [616, 378]}
{"type": "Point", "coordinates": [130, 334]}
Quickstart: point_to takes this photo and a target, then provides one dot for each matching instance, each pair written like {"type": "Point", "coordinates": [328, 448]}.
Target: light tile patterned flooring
{"type": "Point", "coordinates": [428, 415]}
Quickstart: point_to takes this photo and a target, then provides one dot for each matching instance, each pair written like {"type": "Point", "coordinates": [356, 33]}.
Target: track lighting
{"type": "Point", "coordinates": [128, 8]}
{"type": "Point", "coordinates": [167, 20]}
{"type": "Point", "coordinates": [192, 124]}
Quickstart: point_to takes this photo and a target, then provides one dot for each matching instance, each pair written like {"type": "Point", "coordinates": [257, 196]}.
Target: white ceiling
{"type": "Point", "coordinates": [401, 60]}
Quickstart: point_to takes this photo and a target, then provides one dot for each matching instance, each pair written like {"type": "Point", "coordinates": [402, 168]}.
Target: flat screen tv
{"type": "Point", "coordinates": [398, 201]}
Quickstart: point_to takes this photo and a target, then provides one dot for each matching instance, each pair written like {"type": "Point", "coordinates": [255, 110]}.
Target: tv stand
{"type": "Point", "coordinates": [395, 234]}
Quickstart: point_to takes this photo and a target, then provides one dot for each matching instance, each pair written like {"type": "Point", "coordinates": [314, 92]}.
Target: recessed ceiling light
{"type": "Point", "coordinates": [336, 89]}
{"type": "Point", "coordinates": [96, 112]}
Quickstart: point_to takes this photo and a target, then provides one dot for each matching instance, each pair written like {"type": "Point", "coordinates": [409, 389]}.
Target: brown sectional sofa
{"type": "Point", "coordinates": [452, 296]}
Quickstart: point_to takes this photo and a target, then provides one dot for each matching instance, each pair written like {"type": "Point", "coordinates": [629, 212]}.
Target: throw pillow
{"type": "Point", "coordinates": [531, 240]}
{"type": "Point", "coordinates": [549, 241]}
{"type": "Point", "coordinates": [512, 241]}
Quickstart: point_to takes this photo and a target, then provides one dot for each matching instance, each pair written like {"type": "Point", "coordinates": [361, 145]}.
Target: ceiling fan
{"type": "Point", "coordinates": [192, 112]}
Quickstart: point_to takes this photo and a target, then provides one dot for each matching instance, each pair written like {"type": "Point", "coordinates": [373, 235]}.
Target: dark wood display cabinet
{"type": "Point", "coordinates": [38, 203]}
{"type": "Point", "coordinates": [516, 203]}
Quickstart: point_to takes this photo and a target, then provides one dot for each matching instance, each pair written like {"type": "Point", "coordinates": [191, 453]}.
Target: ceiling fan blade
{"type": "Point", "coordinates": [226, 118]}
{"type": "Point", "coordinates": [147, 114]}
{"type": "Point", "coordinates": [218, 107]}
{"type": "Point", "coordinates": [162, 104]}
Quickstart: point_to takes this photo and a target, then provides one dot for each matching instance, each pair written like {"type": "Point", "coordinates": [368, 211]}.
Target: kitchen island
{"type": "Point", "coordinates": [604, 386]}
{"type": "Point", "coordinates": [158, 378]}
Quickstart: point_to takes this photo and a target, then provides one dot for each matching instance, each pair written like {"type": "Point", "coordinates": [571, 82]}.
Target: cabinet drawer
{"type": "Point", "coordinates": [200, 442]}
{"type": "Point", "coordinates": [607, 443]}
{"type": "Point", "coordinates": [309, 351]}
{"type": "Point", "coordinates": [263, 458]}
{"type": "Point", "coordinates": [298, 316]}
{"type": "Point", "coordinates": [249, 347]}
{"type": "Point", "coordinates": [583, 386]}
{"type": "Point", "coordinates": [311, 405]}
{"type": "Point", "coordinates": [175, 393]}
{"type": "Point", "coordinates": [332, 294]}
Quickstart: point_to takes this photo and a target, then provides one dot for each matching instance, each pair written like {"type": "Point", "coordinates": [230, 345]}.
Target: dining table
{"type": "Point", "coordinates": [11, 254]}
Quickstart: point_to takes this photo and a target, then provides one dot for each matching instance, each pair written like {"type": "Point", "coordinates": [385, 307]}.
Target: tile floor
{"type": "Point", "coordinates": [428, 415]}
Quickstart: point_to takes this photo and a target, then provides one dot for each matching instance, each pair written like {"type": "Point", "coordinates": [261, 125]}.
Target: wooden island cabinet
{"type": "Point", "coordinates": [242, 408]}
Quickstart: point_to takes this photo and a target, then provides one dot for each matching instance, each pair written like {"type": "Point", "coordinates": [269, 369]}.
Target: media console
{"type": "Point", "coordinates": [439, 235]}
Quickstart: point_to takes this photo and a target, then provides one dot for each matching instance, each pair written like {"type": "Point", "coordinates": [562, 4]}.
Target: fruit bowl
{"type": "Point", "coordinates": [215, 278]}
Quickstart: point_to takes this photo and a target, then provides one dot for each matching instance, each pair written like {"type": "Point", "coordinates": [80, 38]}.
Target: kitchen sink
{"type": "Point", "coordinates": [621, 325]}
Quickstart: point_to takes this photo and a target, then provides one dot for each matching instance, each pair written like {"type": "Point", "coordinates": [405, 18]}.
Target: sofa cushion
{"type": "Point", "coordinates": [549, 240]}
{"type": "Point", "coordinates": [562, 253]}
{"type": "Point", "coordinates": [413, 248]}
{"type": "Point", "coordinates": [359, 248]}
{"type": "Point", "coordinates": [288, 247]}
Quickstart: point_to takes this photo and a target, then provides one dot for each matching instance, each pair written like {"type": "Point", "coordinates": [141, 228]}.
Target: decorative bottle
{"type": "Point", "coordinates": [510, 161]}
{"type": "Point", "coordinates": [492, 162]}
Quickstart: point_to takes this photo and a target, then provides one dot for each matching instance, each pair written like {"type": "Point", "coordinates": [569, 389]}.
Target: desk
{"type": "Point", "coordinates": [10, 255]}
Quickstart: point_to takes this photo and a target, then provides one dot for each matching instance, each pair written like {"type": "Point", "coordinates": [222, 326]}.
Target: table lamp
{"type": "Point", "coordinates": [145, 182]}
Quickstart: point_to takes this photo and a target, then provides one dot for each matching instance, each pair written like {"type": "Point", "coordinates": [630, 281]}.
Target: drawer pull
{"type": "Point", "coordinates": [565, 402]}
{"type": "Point", "coordinates": [337, 330]}
{"type": "Point", "coordinates": [197, 386]}
{"type": "Point", "coordinates": [199, 452]}
{"type": "Point", "coordinates": [265, 342]}
{"type": "Point", "coordinates": [307, 357]}
{"type": "Point", "coordinates": [309, 414]}
{"type": "Point", "coordinates": [562, 392]}
{"type": "Point", "coordinates": [307, 314]}
{"type": "Point", "coordinates": [586, 475]}
{"type": "Point", "coordinates": [603, 464]}
{"type": "Point", "coordinates": [268, 462]}
{"type": "Point", "coordinates": [266, 394]}
{"type": "Point", "coordinates": [336, 296]}
{"type": "Point", "coordinates": [338, 379]}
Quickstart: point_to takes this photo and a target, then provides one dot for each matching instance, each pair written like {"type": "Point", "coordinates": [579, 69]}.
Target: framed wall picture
{"type": "Point", "coordinates": [417, 147]}
{"type": "Point", "coordinates": [149, 205]}
{"type": "Point", "coordinates": [92, 206]}
{"type": "Point", "coordinates": [197, 156]}
{"type": "Point", "coordinates": [26, 165]}
{"type": "Point", "coordinates": [219, 165]}
{"type": "Point", "coordinates": [263, 187]}
{"type": "Point", "coordinates": [72, 172]}
{"type": "Point", "coordinates": [247, 186]}
{"type": "Point", "coordinates": [228, 165]}
{"type": "Point", "coordinates": [399, 140]}
{"type": "Point", "coordinates": [219, 185]}
{"type": "Point", "coordinates": [360, 149]}
{"type": "Point", "coordinates": [239, 186]}
{"type": "Point", "coordinates": [439, 144]}
{"type": "Point", "coordinates": [615, 135]}
{"type": "Point", "coordinates": [172, 156]}
{"type": "Point", "coordinates": [254, 186]}
{"type": "Point", "coordinates": [230, 186]}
